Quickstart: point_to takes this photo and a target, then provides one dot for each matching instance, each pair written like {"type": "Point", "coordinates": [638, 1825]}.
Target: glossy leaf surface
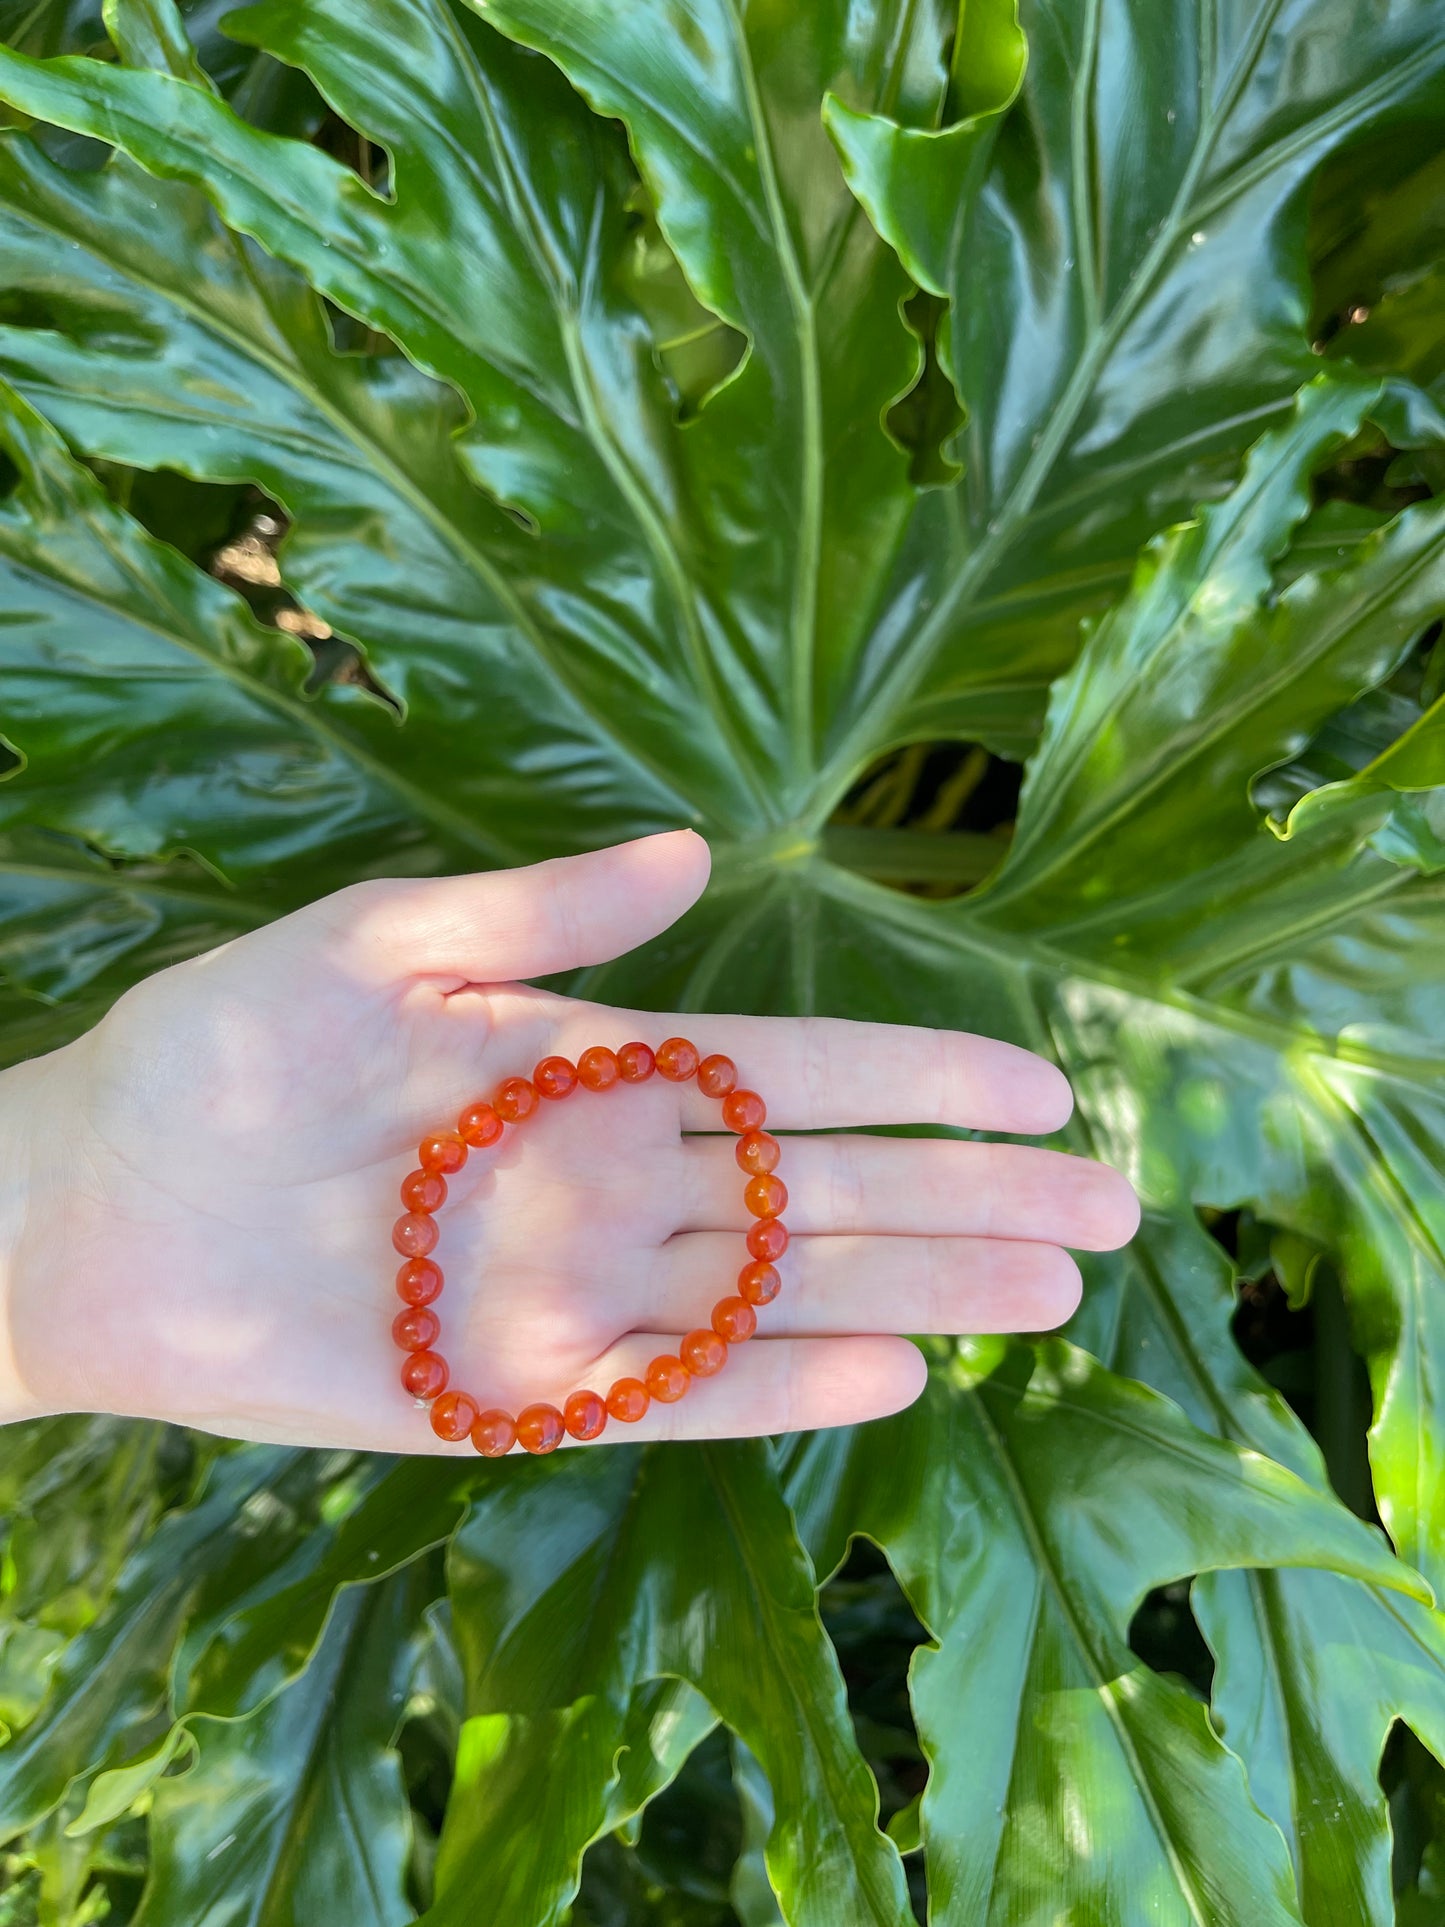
{"type": "Point", "coordinates": [668, 414]}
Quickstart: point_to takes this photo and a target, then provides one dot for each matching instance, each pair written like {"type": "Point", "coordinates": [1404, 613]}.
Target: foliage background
{"type": "Point", "coordinates": [436, 438]}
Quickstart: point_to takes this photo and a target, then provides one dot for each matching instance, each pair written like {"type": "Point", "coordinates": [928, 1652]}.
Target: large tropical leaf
{"type": "Point", "coordinates": [581, 395]}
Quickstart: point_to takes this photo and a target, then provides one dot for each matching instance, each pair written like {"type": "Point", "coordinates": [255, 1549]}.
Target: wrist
{"type": "Point", "coordinates": [32, 1149]}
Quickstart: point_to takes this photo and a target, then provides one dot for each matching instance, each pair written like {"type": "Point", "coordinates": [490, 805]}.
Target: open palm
{"type": "Point", "coordinates": [216, 1172]}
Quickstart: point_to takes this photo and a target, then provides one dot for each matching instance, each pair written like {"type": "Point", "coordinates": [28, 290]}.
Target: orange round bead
{"type": "Point", "coordinates": [744, 1111]}
{"type": "Point", "coordinates": [759, 1283]}
{"type": "Point", "coordinates": [555, 1077]}
{"type": "Point", "coordinates": [425, 1374]}
{"type": "Point", "coordinates": [667, 1378]}
{"type": "Point", "coordinates": [766, 1197]}
{"type": "Point", "coordinates": [494, 1433]}
{"type": "Point", "coordinates": [424, 1191]}
{"type": "Point", "coordinates": [419, 1281]}
{"type": "Point", "coordinates": [453, 1415]}
{"type": "Point", "coordinates": [479, 1126]}
{"type": "Point", "coordinates": [444, 1152]}
{"type": "Point", "coordinates": [415, 1234]}
{"type": "Point", "coordinates": [628, 1400]}
{"type": "Point", "coordinates": [677, 1060]}
{"type": "Point", "coordinates": [584, 1415]}
{"type": "Point", "coordinates": [597, 1068]}
{"type": "Point", "coordinates": [416, 1329]}
{"type": "Point", "coordinates": [768, 1238]}
{"type": "Point", "coordinates": [703, 1353]}
{"type": "Point", "coordinates": [515, 1100]}
{"type": "Point", "coordinates": [734, 1318]}
{"type": "Point", "coordinates": [757, 1153]}
{"type": "Point", "coordinates": [716, 1075]}
{"type": "Point", "coordinates": [635, 1064]}
{"type": "Point", "coordinates": [540, 1428]}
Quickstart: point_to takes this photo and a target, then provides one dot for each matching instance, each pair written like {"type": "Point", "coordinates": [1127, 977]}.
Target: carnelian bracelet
{"type": "Point", "coordinates": [540, 1428]}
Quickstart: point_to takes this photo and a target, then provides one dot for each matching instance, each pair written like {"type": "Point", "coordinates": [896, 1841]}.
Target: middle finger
{"type": "Point", "coordinates": [924, 1187]}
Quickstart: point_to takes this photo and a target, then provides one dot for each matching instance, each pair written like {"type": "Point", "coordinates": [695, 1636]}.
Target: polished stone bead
{"type": "Point", "coordinates": [716, 1075]}
{"type": "Point", "coordinates": [734, 1319]}
{"type": "Point", "coordinates": [515, 1099]}
{"type": "Point", "coordinates": [540, 1428]}
{"type": "Point", "coordinates": [743, 1111]}
{"type": "Point", "coordinates": [703, 1352]}
{"type": "Point", "coordinates": [759, 1283]}
{"type": "Point", "coordinates": [453, 1415]}
{"type": "Point", "coordinates": [416, 1329]}
{"type": "Point", "coordinates": [424, 1374]}
{"type": "Point", "coordinates": [766, 1197]}
{"type": "Point", "coordinates": [555, 1077]}
{"type": "Point", "coordinates": [479, 1126]}
{"type": "Point", "coordinates": [584, 1415]}
{"type": "Point", "coordinates": [667, 1378]}
{"type": "Point", "coordinates": [494, 1433]}
{"type": "Point", "coordinates": [424, 1191]}
{"type": "Point", "coordinates": [677, 1060]}
{"type": "Point", "coordinates": [597, 1068]}
{"type": "Point", "coordinates": [635, 1064]}
{"type": "Point", "coordinates": [415, 1234]}
{"type": "Point", "coordinates": [628, 1400]}
{"type": "Point", "coordinates": [757, 1153]}
{"type": "Point", "coordinates": [768, 1238]}
{"type": "Point", "coordinates": [444, 1152]}
{"type": "Point", "coordinates": [419, 1281]}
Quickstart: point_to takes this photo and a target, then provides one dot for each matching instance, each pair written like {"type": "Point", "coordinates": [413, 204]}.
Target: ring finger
{"type": "Point", "coordinates": [846, 1286]}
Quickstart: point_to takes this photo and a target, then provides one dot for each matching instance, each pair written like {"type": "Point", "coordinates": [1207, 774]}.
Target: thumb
{"type": "Point", "coordinates": [505, 924]}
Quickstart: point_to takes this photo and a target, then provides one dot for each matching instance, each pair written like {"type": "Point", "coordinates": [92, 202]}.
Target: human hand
{"type": "Point", "coordinates": [213, 1170]}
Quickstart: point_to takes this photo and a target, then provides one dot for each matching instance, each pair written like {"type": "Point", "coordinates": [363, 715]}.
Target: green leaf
{"type": "Point", "coordinates": [1028, 1597]}
{"type": "Point", "coordinates": [299, 1809]}
{"type": "Point", "coordinates": [1412, 768]}
{"type": "Point", "coordinates": [1311, 1668]}
{"type": "Point", "coordinates": [110, 1685]}
{"type": "Point", "coordinates": [571, 1593]}
{"type": "Point", "coordinates": [185, 651]}
{"type": "Point", "coordinates": [590, 579]}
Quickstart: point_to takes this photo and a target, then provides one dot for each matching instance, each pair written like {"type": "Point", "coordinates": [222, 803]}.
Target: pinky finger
{"type": "Point", "coordinates": [767, 1386]}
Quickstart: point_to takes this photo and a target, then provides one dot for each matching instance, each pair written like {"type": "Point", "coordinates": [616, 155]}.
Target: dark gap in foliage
{"type": "Point", "coordinates": [876, 1632]}
{"type": "Point", "coordinates": [1365, 241]}
{"type": "Point", "coordinates": [1414, 1784]}
{"type": "Point", "coordinates": [1361, 731]}
{"type": "Point", "coordinates": [1165, 1634]}
{"type": "Point", "coordinates": [427, 1742]}
{"type": "Point", "coordinates": [247, 561]}
{"type": "Point", "coordinates": [195, 517]}
{"type": "Point", "coordinates": [261, 89]}
{"type": "Point", "coordinates": [931, 819]}
{"type": "Point", "coordinates": [1292, 1324]}
{"type": "Point", "coordinates": [118, 1877]}
{"type": "Point", "coordinates": [925, 419]}
{"type": "Point", "coordinates": [366, 158]}
{"type": "Point", "coordinates": [9, 476]}
{"type": "Point", "coordinates": [43, 30]}
{"type": "Point", "coordinates": [1367, 474]}
{"type": "Point", "coordinates": [681, 1866]}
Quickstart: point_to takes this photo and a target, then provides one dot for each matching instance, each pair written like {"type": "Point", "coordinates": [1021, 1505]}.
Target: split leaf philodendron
{"type": "Point", "coordinates": [704, 414]}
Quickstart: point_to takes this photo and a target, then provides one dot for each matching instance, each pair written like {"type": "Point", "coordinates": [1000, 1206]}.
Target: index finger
{"type": "Point", "coordinates": [813, 1072]}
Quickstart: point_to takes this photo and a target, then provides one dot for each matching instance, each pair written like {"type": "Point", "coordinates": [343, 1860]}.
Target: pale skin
{"type": "Point", "coordinates": [197, 1196]}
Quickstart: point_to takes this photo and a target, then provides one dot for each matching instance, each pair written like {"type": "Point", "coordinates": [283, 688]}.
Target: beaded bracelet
{"type": "Point", "coordinates": [702, 1353]}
